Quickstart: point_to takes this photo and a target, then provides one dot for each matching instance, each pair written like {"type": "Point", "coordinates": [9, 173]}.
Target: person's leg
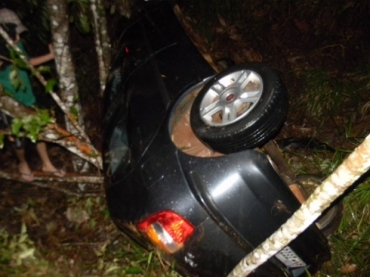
{"type": "Point", "coordinates": [19, 145]}
{"type": "Point", "coordinates": [23, 166]}
{"type": "Point", "coordinates": [47, 165]}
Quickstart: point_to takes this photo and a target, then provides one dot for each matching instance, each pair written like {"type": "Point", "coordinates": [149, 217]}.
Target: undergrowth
{"type": "Point", "coordinates": [350, 244]}
{"type": "Point", "coordinates": [19, 256]}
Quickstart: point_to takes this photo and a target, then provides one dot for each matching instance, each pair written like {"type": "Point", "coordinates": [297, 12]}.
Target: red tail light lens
{"type": "Point", "coordinates": [167, 230]}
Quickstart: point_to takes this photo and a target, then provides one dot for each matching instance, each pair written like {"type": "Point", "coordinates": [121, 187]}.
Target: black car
{"type": "Point", "coordinates": [183, 167]}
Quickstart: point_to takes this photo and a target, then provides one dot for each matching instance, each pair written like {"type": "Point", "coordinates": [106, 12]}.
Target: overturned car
{"type": "Point", "coordinates": [182, 161]}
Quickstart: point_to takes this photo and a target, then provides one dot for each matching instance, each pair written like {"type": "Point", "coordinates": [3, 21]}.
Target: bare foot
{"type": "Point", "coordinates": [54, 171]}
{"type": "Point", "coordinates": [25, 172]}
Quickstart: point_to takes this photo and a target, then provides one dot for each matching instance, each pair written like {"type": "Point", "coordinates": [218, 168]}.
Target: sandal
{"type": "Point", "coordinates": [27, 177]}
{"type": "Point", "coordinates": [57, 173]}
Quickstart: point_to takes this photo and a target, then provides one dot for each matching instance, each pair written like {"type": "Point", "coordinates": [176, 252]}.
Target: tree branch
{"type": "Point", "coordinates": [53, 133]}
{"type": "Point", "coordinates": [41, 78]}
{"type": "Point", "coordinates": [74, 179]}
{"type": "Point", "coordinates": [48, 177]}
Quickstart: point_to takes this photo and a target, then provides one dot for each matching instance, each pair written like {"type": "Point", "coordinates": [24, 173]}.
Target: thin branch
{"type": "Point", "coordinates": [39, 182]}
{"type": "Point", "coordinates": [41, 78]}
{"type": "Point", "coordinates": [53, 132]}
{"type": "Point", "coordinates": [48, 177]}
{"type": "Point", "coordinates": [5, 58]}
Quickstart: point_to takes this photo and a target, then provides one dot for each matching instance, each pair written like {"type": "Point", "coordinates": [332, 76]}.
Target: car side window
{"type": "Point", "coordinates": [118, 152]}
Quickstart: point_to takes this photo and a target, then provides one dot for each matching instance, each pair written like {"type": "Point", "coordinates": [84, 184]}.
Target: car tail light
{"type": "Point", "coordinates": [167, 230]}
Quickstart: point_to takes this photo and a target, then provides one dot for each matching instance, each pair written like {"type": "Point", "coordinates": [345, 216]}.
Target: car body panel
{"type": "Point", "coordinates": [234, 201]}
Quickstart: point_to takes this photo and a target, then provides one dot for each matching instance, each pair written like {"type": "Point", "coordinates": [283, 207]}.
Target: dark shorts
{"type": "Point", "coordinates": [5, 123]}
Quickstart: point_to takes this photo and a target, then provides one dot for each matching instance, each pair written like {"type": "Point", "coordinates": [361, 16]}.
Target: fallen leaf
{"type": "Point", "coordinates": [221, 20]}
{"type": "Point", "coordinates": [348, 268]}
{"type": "Point", "coordinates": [77, 215]}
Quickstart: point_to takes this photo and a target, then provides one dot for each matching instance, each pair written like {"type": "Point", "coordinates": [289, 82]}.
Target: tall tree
{"type": "Point", "coordinates": [66, 71]}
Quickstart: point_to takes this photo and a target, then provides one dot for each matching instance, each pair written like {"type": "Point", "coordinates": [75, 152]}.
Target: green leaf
{"type": "Point", "coordinates": [45, 117]}
{"type": "Point", "coordinates": [20, 64]}
{"type": "Point", "coordinates": [32, 125]}
{"type": "Point", "coordinates": [17, 61]}
{"type": "Point", "coordinates": [16, 126]}
{"type": "Point", "coordinates": [14, 78]}
{"type": "Point", "coordinates": [73, 110]}
{"type": "Point", "coordinates": [50, 85]}
{"type": "Point", "coordinates": [27, 253]}
{"type": "Point", "coordinates": [134, 270]}
{"type": "Point", "coordinates": [85, 24]}
{"type": "Point", "coordinates": [33, 132]}
{"type": "Point", "coordinates": [1, 140]}
{"type": "Point", "coordinates": [43, 69]}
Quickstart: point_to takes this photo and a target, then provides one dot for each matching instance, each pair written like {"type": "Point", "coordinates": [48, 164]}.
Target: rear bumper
{"type": "Point", "coordinates": [261, 203]}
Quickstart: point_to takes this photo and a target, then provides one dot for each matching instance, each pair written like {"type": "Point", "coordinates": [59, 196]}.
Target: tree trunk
{"type": "Point", "coordinates": [102, 41]}
{"type": "Point", "coordinates": [66, 71]}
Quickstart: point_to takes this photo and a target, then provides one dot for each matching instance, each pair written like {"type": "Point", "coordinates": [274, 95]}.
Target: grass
{"type": "Point", "coordinates": [350, 244]}
{"type": "Point", "coordinates": [78, 240]}
{"type": "Point", "coordinates": [325, 96]}
{"type": "Point", "coordinates": [19, 256]}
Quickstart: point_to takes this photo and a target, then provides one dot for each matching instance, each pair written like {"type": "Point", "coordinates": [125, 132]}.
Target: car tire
{"type": "Point", "coordinates": [240, 108]}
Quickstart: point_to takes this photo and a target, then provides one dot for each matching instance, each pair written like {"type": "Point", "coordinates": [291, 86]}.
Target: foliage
{"type": "Point", "coordinates": [350, 243]}
{"type": "Point", "coordinates": [115, 256]}
{"type": "Point", "coordinates": [326, 95]}
{"type": "Point", "coordinates": [19, 256]}
{"type": "Point", "coordinates": [1, 140]}
{"type": "Point", "coordinates": [80, 15]}
{"type": "Point", "coordinates": [18, 63]}
{"type": "Point", "coordinates": [87, 234]}
{"type": "Point", "coordinates": [31, 125]}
